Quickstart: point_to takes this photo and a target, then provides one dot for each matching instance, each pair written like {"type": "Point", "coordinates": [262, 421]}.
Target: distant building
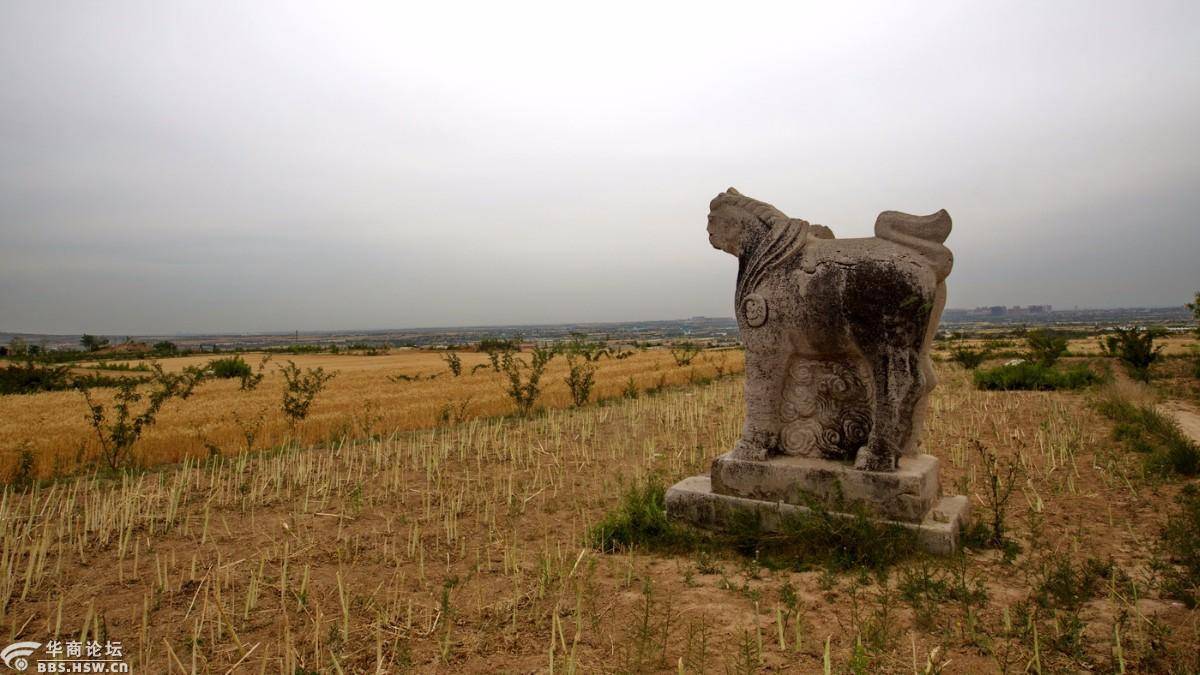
{"type": "Point", "coordinates": [1015, 310]}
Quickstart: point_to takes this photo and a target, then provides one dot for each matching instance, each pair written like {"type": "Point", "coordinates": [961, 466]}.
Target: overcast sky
{"type": "Point", "coordinates": [210, 166]}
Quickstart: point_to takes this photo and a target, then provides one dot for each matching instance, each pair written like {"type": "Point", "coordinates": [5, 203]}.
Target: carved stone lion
{"type": "Point", "coordinates": [837, 331]}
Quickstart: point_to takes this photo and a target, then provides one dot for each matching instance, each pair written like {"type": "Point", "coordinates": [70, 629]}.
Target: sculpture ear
{"type": "Point", "coordinates": [732, 191]}
{"type": "Point", "coordinates": [820, 232]}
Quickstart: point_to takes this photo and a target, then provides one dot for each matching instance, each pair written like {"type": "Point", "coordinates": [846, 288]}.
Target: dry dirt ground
{"type": "Point", "coordinates": [464, 549]}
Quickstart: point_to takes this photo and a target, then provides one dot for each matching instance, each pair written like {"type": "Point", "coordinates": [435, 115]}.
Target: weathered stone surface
{"type": "Point", "coordinates": [837, 335]}
{"type": "Point", "coordinates": [906, 494]}
{"type": "Point", "coordinates": [856, 314]}
{"type": "Point", "coordinates": [692, 500]}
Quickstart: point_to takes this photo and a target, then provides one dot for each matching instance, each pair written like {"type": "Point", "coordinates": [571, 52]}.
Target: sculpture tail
{"type": "Point", "coordinates": [923, 234]}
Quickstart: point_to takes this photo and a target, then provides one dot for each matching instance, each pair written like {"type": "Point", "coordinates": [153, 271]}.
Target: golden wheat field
{"type": "Point", "coordinates": [1173, 345]}
{"type": "Point", "coordinates": [465, 548]}
{"type": "Point", "coordinates": [367, 397]}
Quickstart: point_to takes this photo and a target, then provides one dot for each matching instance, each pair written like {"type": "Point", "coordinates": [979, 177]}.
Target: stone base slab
{"type": "Point", "coordinates": [693, 500]}
{"type": "Point", "coordinates": [906, 494]}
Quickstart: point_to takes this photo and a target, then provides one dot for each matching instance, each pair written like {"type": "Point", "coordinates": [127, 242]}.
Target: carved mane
{"type": "Point", "coordinates": [782, 239]}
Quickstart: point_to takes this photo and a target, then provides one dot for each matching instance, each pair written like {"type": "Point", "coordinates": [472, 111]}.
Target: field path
{"type": "Point", "coordinates": [1186, 416]}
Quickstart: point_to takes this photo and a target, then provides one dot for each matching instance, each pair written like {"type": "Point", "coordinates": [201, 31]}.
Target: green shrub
{"type": "Point", "coordinates": [1135, 348]}
{"type": "Point", "coordinates": [22, 475]}
{"type": "Point", "coordinates": [640, 519]}
{"type": "Point", "coordinates": [1181, 541]}
{"type": "Point", "coordinates": [301, 389]}
{"type": "Point", "coordinates": [591, 351]}
{"type": "Point", "coordinates": [250, 381]}
{"type": "Point", "coordinates": [524, 391]}
{"type": "Point", "coordinates": [684, 353]}
{"type": "Point", "coordinates": [579, 380]}
{"type": "Point", "coordinates": [123, 367]}
{"type": "Point", "coordinates": [1195, 307]}
{"type": "Point", "coordinates": [59, 355]}
{"type": "Point", "coordinates": [1034, 377]}
{"type": "Point", "coordinates": [30, 378]}
{"type": "Point", "coordinates": [93, 343]}
{"type": "Point", "coordinates": [365, 348]}
{"type": "Point", "coordinates": [17, 346]}
{"type": "Point", "coordinates": [497, 349]}
{"type": "Point", "coordinates": [165, 347]}
{"type": "Point", "coordinates": [1046, 346]}
{"type": "Point", "coordinates": [968, 357]}
{"type": "Point", "coordinates": [454, 362]}
{"type": "Point", "coordinates": [297, 349]}
{"type": "Point", "coordinates": [630, 391]}
{"type": "Point", "coordinates": [493, 344]}
{"type": "Point", "coordinates": [118, 426]}
{"type": "Point", "coordinates": [229, 368]}
{"type": "Point", "coordinates": [930, 582]}
{"type": "Point", "coordinates": [1145, 430]}
{"type": "Point", "coordinates": [1061, 584]}
{"type": "Point", "coordinates": [1000, 480]}
{"type": "Point", "coordinates": [100, 381]}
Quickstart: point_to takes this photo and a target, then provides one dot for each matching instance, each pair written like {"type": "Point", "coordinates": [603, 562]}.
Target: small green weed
{"type": "Point", "coordinates": [1181, 541]}
{"type": "Point", "coordinates": [640, 519]}
{"type": "Point", "coordinates": [812, 539]}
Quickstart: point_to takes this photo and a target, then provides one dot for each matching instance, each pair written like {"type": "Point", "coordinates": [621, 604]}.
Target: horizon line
{"type": "Point", "coordinates": [270, 332]}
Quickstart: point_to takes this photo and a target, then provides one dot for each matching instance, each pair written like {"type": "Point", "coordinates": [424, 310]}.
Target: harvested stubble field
{"type": "Point", "coordinates": [463, 549]}
{"type": "Point", "coordinates": [368, 397]}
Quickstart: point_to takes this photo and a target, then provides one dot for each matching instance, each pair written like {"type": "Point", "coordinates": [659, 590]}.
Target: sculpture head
{"type": "Point", "coordinates": [736, 222]}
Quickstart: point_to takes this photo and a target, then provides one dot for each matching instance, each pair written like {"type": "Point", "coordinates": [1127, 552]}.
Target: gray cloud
{"type": "Point", "coordinates": [209, 166]}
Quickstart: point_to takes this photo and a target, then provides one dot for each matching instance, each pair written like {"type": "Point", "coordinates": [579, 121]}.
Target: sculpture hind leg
{"type": "Point", "coordinates": [899, 384]}
{"type": "Point", "coordinates": [766, 369]}
{"type": "Point", "coordinates": [887, 308]}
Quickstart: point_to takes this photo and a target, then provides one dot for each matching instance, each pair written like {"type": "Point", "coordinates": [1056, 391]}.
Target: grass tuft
{"type": "Point", "coordinates": [1181, 541]}
{"type": "Point", "coordinates": [818, 538]}
{"type": "Point", "coordinates": [1035, 377]}
{"type": "Point", "coordinates": [640, 519]}
{"type": "Point", "coordinates": [1145, 430]}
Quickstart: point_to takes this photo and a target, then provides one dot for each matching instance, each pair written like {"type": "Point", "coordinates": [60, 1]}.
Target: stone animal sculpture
{"type": "Point", "coordinates": [837, 331]}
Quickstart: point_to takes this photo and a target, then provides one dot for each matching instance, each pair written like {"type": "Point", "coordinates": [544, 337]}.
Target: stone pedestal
{"type": "Point", "coordinates": [909, 497]}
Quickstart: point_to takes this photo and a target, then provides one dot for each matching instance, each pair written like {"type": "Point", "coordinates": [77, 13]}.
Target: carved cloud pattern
{"type": "Point", "coordinates": [826, 410]}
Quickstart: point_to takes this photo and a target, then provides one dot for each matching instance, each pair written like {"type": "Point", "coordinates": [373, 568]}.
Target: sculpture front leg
{"type": "Point", "coordinates": [765, 373]}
